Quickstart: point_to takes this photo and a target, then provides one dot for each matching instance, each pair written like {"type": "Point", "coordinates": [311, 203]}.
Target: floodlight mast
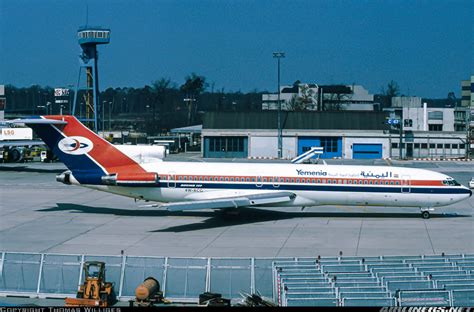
{"type": "Point", "coordinates": [278, 56]}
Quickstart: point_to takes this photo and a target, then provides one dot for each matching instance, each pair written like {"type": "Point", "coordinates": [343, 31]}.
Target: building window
{"type": "Point", "coordinates": [424, 145]}
{"type": "Point", "coordinates": [439, 145]}
{"type": "Point", "coordinates": [454, 146]}
{"type": "Point", "coordinates": [436, 115]}
{"type": "Point", "coordinates": [462, 145]}
{"type": "Point", "coordinates": [435, 127]}
{"type": "Point", "coordinates": [226, 144]}
{"type": "Point", "coordinates": [329, 144]}
{"type": "Point", "coordinates": [432, 145]}
{"type": "Point", "coordinates": [408, 123]}
{"type": "Point", "coordinates": [447, 145]}
{"type": "Point", "coordinates": [394, 145]}
{"type": "Point", "coordinates": [417, 145]}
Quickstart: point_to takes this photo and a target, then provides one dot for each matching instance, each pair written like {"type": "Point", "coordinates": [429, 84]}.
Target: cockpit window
{"type": "Point", "coordinates": [451, 182]}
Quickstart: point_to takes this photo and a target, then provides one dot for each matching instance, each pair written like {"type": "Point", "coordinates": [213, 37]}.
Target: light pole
{"type": "Point", "coordinates": [278, 56]}
{"type": "Point", "coordinates": [110, 129]}
{"type": "Point", "coordinates": [400, 147]}
{"type": "Point", "coordinates": [103, 117]}
{"type": "Point", "coordinates": [48, 104]}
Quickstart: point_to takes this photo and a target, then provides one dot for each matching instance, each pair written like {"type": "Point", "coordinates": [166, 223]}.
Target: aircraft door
{"type": "Point", "coordinates": [276, 182]}
{"type": "Point", "coordinates": [259, 181]}
{"type": "Point", "coordinates": [406, 184]}
{"type": "Point", "coordinates": [172, 179]}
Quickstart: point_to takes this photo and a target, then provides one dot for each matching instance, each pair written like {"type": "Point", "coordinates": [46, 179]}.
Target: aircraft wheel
{"type": "Point", "coordinates": [425, 214]}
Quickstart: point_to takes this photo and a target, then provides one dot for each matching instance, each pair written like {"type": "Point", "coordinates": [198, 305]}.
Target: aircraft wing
{"type": "Point", "coordinates": [246, 200]}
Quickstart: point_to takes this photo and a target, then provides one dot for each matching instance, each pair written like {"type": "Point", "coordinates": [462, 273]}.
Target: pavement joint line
{"type": "Point", "coordinates": [136, 243]}
{"type": "Point", "coordinates": [23, 223]}
{"type": "Point", "coordinates": [196, 254]}
{"type": "Point", "coordinates": [76, 236]}
{"type": "Point", "coordinates": [286, 240]}
{"type": "Point", "coordinates": [358, 239]}
{"type": "Point", "coordinates": [429, 237]}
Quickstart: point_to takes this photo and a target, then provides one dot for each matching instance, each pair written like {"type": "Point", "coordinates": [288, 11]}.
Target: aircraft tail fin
{"type": "Point", "coordinates": [88, 156]}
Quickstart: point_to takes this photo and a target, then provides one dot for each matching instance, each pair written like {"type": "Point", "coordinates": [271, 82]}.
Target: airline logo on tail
{"type": "Point", "coordinates": [75, 145]}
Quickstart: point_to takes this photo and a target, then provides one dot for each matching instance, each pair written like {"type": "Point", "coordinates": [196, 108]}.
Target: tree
{"type": "Point", "coordinates": [451, 100]}
{"type": "Point", "coordinates": [335, 101]}
{"type": "Point", "coordinates": [306, 99]}
{"type": "Point", "coordinates": [392, 89]}
{"type": "Point", "coordinates": [387, 94]}
{"type": "Point", "coordinates": [193, 86]}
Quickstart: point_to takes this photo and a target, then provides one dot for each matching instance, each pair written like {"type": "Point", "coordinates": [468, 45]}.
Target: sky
{"type": "Point", "coordinates": [426, 46]}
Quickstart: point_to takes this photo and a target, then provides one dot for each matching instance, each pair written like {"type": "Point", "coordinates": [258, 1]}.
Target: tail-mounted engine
{"type": "Point", "coordinates": [64, 177]}
{"type": "Point", "coordinates": [131, 179]}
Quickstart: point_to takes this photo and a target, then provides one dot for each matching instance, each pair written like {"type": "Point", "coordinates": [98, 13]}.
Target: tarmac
{"type": "Point", "coordinates": [38, 214]}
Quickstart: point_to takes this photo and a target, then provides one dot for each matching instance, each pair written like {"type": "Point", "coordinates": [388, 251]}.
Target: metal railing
{"type": "Point", "coordinates": [181, 279]}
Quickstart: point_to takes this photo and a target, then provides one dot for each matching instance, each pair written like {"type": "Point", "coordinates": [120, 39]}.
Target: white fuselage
{"type": "Point", "coordinates": [313, 185]}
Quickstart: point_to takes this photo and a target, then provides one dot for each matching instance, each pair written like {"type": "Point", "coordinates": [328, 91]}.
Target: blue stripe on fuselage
{"type": "Point", "coordinates": [320, 188]}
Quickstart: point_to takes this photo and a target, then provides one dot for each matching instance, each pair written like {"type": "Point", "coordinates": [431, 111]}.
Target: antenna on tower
{"type": "Point", "coordinates": [87, 14]}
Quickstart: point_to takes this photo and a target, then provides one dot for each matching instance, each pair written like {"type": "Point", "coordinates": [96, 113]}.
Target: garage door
{"type": "Point", "coordinates": [366, 151]}
{"type": "Point", "coordinates": [332, 146]}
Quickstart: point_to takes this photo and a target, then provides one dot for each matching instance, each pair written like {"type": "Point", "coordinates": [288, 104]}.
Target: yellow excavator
{"type": "Point", "coordinates": [95, 292]}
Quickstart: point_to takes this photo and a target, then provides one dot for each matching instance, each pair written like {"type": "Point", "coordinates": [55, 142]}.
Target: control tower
{"type": "Point", "coordinates": [89, 37]}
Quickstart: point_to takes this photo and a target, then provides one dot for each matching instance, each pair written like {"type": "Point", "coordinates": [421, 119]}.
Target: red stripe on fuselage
{"type": "Point", "coordinates": [104, 153]}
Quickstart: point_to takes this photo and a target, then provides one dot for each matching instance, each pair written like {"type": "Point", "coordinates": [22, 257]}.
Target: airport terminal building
{"type": "Point", "coordinates": [342, 134]}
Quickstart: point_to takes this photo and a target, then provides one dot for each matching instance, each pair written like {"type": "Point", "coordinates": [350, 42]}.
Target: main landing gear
{"type": "Point", "coordinates": [425, 212]}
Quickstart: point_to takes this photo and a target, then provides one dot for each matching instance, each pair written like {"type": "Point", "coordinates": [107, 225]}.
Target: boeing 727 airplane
{"type": "Point", "coordinates": [95, 163]}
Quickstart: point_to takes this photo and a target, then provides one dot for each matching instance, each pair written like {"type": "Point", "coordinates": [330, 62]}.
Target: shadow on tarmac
{"type": "Point", "coordinates": [29, 169]}
{"type": "Point", "coordinates": [217, 219]}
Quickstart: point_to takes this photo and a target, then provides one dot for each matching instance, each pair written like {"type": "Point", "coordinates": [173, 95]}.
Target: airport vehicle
{"type": "Point", "coordinates": [95, 292]}
{"type": "Point", "coordinates": [95, 163]}
{"type": "Point", "coordinates": [471, 183]}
